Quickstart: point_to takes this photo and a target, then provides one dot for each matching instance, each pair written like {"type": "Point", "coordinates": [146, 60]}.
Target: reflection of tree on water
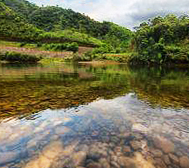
{"type": "Point", "coordinates": [37, 88]}
{"type": "Point", "coordinates": [53, 90]}
{"type": "Point", "coordinates": [159, 86]}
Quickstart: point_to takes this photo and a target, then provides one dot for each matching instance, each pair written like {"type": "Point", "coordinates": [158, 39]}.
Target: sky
{"type": "Point", "coordinates": [128, 13]}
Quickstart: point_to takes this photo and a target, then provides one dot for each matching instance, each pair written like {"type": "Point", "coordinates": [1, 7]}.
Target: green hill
{"type": "Point", "coordinates": [15, 28]}
{"type": "Point", "coordinates": [53, 18]}
{"type": "Point", "coordinates": [57, 19]}
{"type": "Point", "coordinates": [21, 7]}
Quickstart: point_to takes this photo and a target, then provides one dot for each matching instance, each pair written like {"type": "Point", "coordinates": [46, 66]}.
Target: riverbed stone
{"type": "Point", "coordinates": [126, 149]}
{"type": "Point", "coordinates": [135, 144]}
{"type": "Point", "coordinates": [127, 162]}
{"type": "Point", "coordinates": [114, 139]}
{"type": "Point", "coordinates": [157, 152]}
{"type": "Point", "coordinates": [138, 136]}
{"type": "Point", "coordinates": [104, 163]}
{"type": "Point", "coordinates": [160, 162]}
{"type": "Point", "coordinates": [94, 165]}
{"type": "Point", "coordinates": [164, 144]}
{"type": "Point", "coordinates": [174, 159]}
{"type": "Point", "coordinates": [94, 155]}
{"type": "Point", "coordinates": [114, 158]}
{"type": "Point", "coordinates": [61, 130]}
{"type": "Point", "coordinates": [105, 138]}
{"type": "Point", "coordinates": [39, 162]}
{"type": "Point", "coordinates": [6, 157]}
{"type": "Point", "coordinates": [166, 159]}
{"type": "Point", "coordinates": [47, 156]}
{"type": "Point", "coordinates": [114, 164]}
{"type": "Point", "coordinates": [122, 129]}
{"type": "Point", "coordinates": [124, 135]}
{"type": "Point", "coordinates": [53, 149]}
{"type": "Point", "coordinates": [79, 158]}
{"type": "Point", "coordinates": [118, 149]}
{"type": "Point", "coordinates": [184, 162]}
{"type": "Point", "coordinates": [139, 128]}
{"type": "Point", "coordinates": [143, 161]}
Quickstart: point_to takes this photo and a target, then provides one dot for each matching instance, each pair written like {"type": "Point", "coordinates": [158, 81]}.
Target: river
{"type": "Point", "coordinates": [94, 116]}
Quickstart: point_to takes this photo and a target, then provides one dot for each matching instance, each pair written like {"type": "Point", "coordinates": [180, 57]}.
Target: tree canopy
{"type": "Point", "coordinates": [57, 19]}
{"type": "Point", "coordinates": [163, 39]}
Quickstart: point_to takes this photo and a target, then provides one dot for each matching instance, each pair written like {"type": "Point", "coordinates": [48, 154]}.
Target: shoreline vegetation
{"type": "Point", "coordinates": [29, 33]}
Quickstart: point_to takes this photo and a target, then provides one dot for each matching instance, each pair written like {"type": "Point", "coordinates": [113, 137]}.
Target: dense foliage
{"type": "Point", "coordinates": [22, 7]}
{"type": "Point", "coordinates": [15, 28]}
{"type": "Point", "coordinates": [160, 40]}
{"type": "Point", "coordinates": [62, 47]}
{"type": "Point", "coordinates": [53, 18]}
{"type": "Point", "coordinates": [19, 57]}
{"type": "Point", "coordinates": [56, 19]}
{"type": "Point", "coordinates": [163, 40]}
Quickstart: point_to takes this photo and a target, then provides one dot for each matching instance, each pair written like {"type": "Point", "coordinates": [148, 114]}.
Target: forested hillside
{"type": "Point", "coordinates": [160, 40]}
{"type": "Point", "coordinates": [56, 19]}
{"type": "Point", "coordinates": [14, 27]}
{"type": "Point", "coordinates": [21, 7]}
{"type": "Point", "coordinates": [163, 40]}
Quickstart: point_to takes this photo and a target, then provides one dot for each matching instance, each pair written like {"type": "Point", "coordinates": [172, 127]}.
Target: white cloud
{"type": "Point", "coordinates": [128, 13]}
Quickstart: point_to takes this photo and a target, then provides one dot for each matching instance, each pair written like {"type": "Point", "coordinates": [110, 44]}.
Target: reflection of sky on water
{"type": "Point", "coordinates": [25, 137]}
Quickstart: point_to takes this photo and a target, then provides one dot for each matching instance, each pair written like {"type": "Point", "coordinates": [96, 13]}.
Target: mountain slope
{"type": "Point", "coordinates": [54, 18]}
{"type": "Point", "coordinates": [15, 28]}
{"type": "Point", "coordinates": [22, 7]}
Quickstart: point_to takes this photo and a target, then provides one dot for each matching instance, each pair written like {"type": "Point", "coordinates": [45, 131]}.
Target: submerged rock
{"type": "Point", "coordinates": [184, 162]}
{"type": "Point", "coordinates": [139, 128]}
{"type": "Point", "coordinates": [166, 160]}
{"type": "Point", "coordinates": [47, 157]}
{"type": "Point", "coordinates": [104, 163]}
{"type": "Point", "coordinates": [164, 144]}
{"type": "Point", "coordinates": [159, 162]}
{"type": "Point", "coordinates": [127, 162]}
{"type": "Point", "coordinates": [79, 158]}
{"type": "Point", "coordinates": [174, 159]}
{"type": "Point", "coordinates": [157, 152]}
{"type": "Point", "coordinates": [135, 144]}
{"type": "Point", "coordinates": [94, 165]}
{"type": "Point", "coordinates": [6, 157]}
{"type": "Point", "coordinates": [126, 149]}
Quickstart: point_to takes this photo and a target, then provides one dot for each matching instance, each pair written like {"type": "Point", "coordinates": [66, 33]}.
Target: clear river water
{"type": "Point", "coordinates": [93, 116]}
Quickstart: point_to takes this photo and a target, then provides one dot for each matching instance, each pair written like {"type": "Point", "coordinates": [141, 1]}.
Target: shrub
{"type": "Point", "coordinates": [72, 47]}
{"type": "Point", "coordinates": [22, 44]}
{"type": "Point", "coordinates": [39, 44]}
{"type": "Point", "coordinates": [62, 47]}
{"type": "Point", "coordinates": [103, 49]}
{"type": "Point", "coordinates": [19, 57]}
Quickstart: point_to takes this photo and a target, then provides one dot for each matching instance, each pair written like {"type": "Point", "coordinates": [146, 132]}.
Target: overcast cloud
{"type": "Point", "coordinates": [128, 13]}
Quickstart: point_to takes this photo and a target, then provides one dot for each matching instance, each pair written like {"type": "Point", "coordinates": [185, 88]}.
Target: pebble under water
{"type": "Point", "coordinates": [124, 131]}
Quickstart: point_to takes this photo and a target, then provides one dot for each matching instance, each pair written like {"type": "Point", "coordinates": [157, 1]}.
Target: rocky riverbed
{"type": "Point", "coordinates": [119, 133]}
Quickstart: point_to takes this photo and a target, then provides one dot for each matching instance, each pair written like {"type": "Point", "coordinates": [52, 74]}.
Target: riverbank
{"type": "Point", "coordinates": [84, 53]}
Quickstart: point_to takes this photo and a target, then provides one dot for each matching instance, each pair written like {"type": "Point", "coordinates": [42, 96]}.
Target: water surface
{"type": "Point", "coordinates": [70, 115]}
